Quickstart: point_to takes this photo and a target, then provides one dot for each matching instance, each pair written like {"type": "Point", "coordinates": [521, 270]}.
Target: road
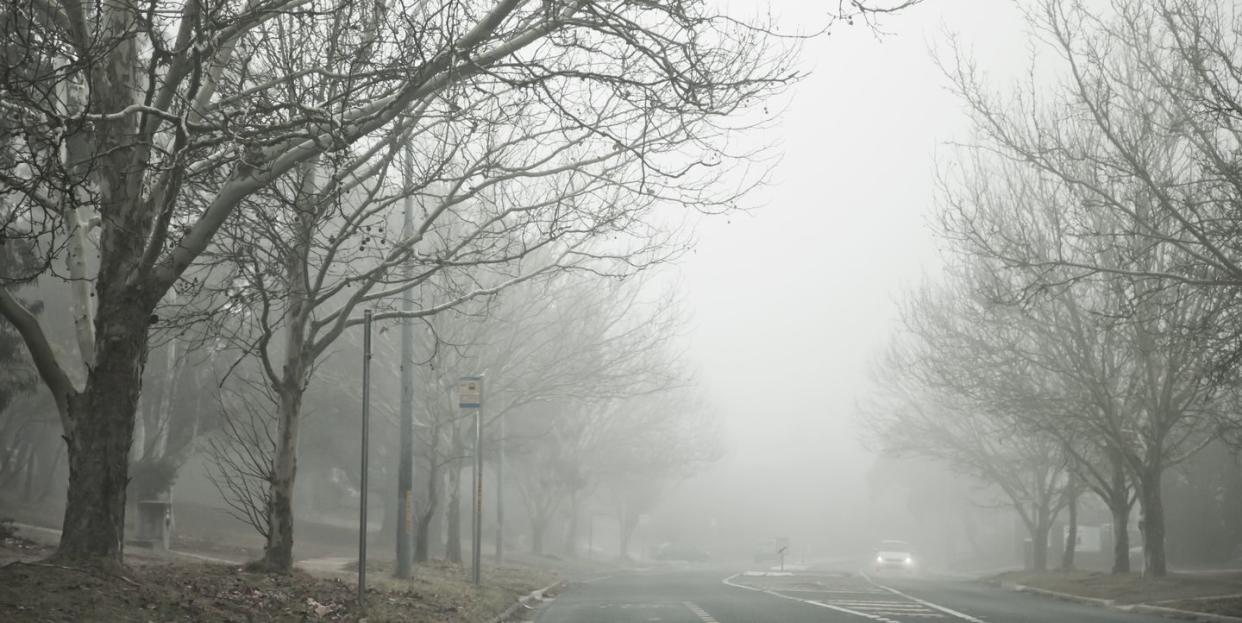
{"type": "Point", "coordinates": [721, 596]}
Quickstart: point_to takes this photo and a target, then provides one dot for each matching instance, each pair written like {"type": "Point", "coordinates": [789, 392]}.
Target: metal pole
{"type": "Point", "coordinates": [478, 494]}
{"type": "Point", "coordinates": [366, 438]}
{"type": "Point", "coordinates": [500, 489]}
{"type": "Point", "coordinates": [405, 467]}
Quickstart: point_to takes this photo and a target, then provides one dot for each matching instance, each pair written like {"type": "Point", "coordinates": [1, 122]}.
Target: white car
{"type": "Point", "coordinates": [894, 556]}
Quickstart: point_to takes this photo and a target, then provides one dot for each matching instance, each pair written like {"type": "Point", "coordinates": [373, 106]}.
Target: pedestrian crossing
{"type": "Point", "coordinates": [885, 608]}
{"type": "Point", "coordinates": [858, 596]}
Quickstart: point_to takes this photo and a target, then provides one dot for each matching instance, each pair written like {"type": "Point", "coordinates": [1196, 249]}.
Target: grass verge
{"type": "Point", "coordinates": [190, 591]}
{"type": "Point", "coordinates": [1131, 588]}
{"type": "Point", "coordinates": [1230, 606]}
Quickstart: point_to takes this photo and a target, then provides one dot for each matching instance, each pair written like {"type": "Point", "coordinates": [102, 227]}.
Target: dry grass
{"type": "Point", "coordinates": [183, 591]}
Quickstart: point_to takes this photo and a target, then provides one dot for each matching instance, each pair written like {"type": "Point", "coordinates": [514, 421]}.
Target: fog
{"type": "Point", "coordinates": [970, 283]}
{"type": "Point", "coordinates": [793, 301]}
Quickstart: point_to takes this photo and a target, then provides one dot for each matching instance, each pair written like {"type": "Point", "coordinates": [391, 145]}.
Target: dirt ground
{"type": "Point", "coordinates": [155, 589]}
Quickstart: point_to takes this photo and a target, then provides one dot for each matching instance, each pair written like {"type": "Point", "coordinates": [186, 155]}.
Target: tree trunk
{"type": "Point", "coordinates": [571, 531]}
{"type": "Point", "coordinates": [278, 551]}
{"type": "Point", "coordinates": [1119, 504]}
{"type": "Point", "coordinates": [1152, 525]}
{"type": "Point", "coordinates": [1231, 502]}
{"type": "Point", "coordinates": [624, 544]}
{"type": "Point", "coordinates": [627, 526]}
{"type": "Point", "coordinates": [422, 540]}
{"type": "Point", "coordinates": [538, 528]}
{"type": "Point", "coordinates": [1121, 536]}
{"type": "Point", "coordinates": [1039, 543]}
{"type": "Point", "coordinates": [422, 536]}
{"type": "Point", "coordinates": [28, 487]}
{"type": "Point", "coordinates": [49, 475]}
{"type": "Point", "coordinates": [452, 543]}
{"type": "Point", "coordinates": [102, 420]}
{"type": "Point", "coordinates": [290, 387]}
{"type": "Point", "coordinates": [12, 467]}
{"type": "Point", "coordinates": [1071, 534]}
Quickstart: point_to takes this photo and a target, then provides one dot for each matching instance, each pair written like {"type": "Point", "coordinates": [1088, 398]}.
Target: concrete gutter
{"type": "Point", "coordinates": [526, 602]}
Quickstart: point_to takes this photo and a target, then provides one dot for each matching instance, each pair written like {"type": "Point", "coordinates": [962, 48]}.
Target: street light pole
{"type": "Point", "coordinates": [405, 468]}
{"type": "Point", "coordinates": [366, 438]}
{"type": "Point", "coordinates": [478, 495]}
{"type": "Point", "coordinates": [470, 396]}
{"type": "Point", "coordinates": [500, 489]}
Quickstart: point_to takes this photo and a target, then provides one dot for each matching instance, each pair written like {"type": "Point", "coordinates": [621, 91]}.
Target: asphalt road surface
{"type": "Point", "coordinates": [715, 596]}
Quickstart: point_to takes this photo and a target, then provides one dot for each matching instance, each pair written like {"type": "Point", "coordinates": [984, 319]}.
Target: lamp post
{"type": "Point", "coordinates": [470, 396]}
{"type": "Point", "coordinates": [366, 438]}
{"type": "Point", "coordinates": [405, 466]}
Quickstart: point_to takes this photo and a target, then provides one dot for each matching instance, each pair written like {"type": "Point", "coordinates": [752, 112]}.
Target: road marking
{"type": "Point", "coordinates": [699, 612]}
{"type": "Point", "coordinates": [599, 578]}
{"type": "Point", "coordinates": [960, 615]}
{"type": "Point", "coordinates": [874, 617]}
{"type": "Point", "coordinates": [835, 591]}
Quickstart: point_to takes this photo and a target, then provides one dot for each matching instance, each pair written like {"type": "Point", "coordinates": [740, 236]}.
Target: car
{"type": "Point", "coordinates": [894, 556]}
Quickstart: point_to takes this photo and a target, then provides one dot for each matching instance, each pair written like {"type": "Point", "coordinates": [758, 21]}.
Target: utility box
{"type": "Point", "coordinates": [154, 524]}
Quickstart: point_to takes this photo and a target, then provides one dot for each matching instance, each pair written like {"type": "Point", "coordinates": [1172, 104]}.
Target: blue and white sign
{"type": "Point", "coordinates": [470, 392]}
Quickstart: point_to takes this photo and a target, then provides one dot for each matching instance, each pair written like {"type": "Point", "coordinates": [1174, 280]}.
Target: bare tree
{"type": "Point", "coordinates": [641, 446]}
{"type": "Point", "coordinates": [147, 130]}
{"type": "Point", "coordinates": [574, 338]}
{"type": "Point", "coordinates": [1121, 178]}
{"type": "Point", "coordinates": [241, 453]}
{"type": "Point", "coordinates": [958, 389]}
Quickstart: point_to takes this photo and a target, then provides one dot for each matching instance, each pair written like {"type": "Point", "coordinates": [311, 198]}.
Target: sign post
{"type": "Point", "coordinates": [366, 433]}
{"type": "Point", "coordinates": [470, 396]}
{"type": "Point", "coordinates": [500, 486]}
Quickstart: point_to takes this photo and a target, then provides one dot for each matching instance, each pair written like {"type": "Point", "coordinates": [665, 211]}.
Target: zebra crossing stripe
{"type": "Point", "coordinates": [699, 612]}
{"type": "Point", "coordinates": [874, 617]}
{"type": "Point", "coordinates": [878, 604]}
{"type": "Point", "coordinates": [861, 613]}
{"type": "Point", "coordinates": [890, 608]}
{"type": "Point", "coordinates": [949, 611]}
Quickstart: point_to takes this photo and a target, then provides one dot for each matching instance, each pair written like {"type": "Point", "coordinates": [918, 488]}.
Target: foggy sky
{"type": "Point", "coordinates": [790, 303]}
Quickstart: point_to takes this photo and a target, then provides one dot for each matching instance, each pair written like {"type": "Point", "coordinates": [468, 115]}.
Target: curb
{"type": "Point", "coordinates": [525, 602]}
{"type": "Point", "coordinates": [1139, 608]}
{"type": "Point", "coordinates": [1021, 588]}
{"type": "Point", "coordinates": [1183, 614]}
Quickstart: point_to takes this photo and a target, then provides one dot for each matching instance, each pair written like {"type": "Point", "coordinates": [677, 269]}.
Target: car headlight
{"type": "Point", "coordinates": [909, 560]}
{"type": "Point", "coordinates": [879, 559]}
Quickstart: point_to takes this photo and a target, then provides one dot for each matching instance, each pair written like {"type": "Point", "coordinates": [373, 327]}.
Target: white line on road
{"type": "Point", "coordinates": [599, 578]}
{"type": "Point", "coordinates": [929, 604]}
{"type": "Point", "coordinates": [699, 612]}
{"type": "Point", "coordinates": [874, 617]}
